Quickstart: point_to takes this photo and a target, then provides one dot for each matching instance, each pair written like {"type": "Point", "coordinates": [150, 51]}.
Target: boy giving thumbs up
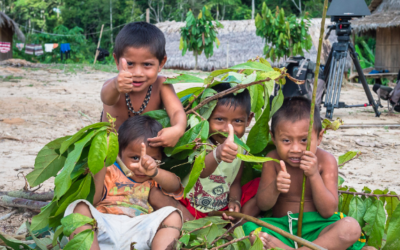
{"type": "Point", "coordinates": [139, 54]}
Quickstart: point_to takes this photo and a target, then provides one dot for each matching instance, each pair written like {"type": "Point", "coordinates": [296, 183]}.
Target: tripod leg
{"type": "Point", "coordinates": [363, 80]}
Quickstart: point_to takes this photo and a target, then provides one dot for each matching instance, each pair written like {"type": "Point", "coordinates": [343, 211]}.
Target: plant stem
{"type": "Point", "coordinates": [230, 242]}
{"type": "Point", "coordinates": [194, 112]}
{"type": "Point", "coordinates": [228, 231]}
{"type": "Point", "coordinates": [127, 172]}
{"type": "Point", "coordinates": [269, 226]}
{"type": "Point", "coordinates": [310, 129]}
{"type": "Point", "coordinates": [197, 229]}
{"type": "Point", "coordinates": [368, 194]}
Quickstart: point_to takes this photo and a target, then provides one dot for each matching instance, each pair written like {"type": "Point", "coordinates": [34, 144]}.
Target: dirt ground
{"type": "Point", "coordinates": [40, 105]}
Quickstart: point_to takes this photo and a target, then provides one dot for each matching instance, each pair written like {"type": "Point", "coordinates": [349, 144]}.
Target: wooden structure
{"type": "Point", "coordinates": [384, 24]}
{"type": "Point", "coordinates": [7, 30]}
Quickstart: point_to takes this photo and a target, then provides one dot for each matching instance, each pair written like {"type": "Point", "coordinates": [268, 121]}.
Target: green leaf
{"type": "Point", "coordinates": [257, 99]}
{"type": "Point", "coordinates": [97, 152]}
{"type": "Point", "coordinates": [253, 66]}
{"type": "Point", "coordinates": [57, 233]}
{"type": "Point", "coordinates": [340, 181]}
{"type": "Point", "coordinates": [263, 61]}
{"type": "Point", "coordinates": [39, 243]}
{"type": "Point", "coordinates": [41, 220]}
{"type": "Point", "coordinates": [259, 134]}
{"type": "Point", "coordinates": [75, 220]}
{"type": "Point", "coordinates": [188, 137]}
{"type": "Point", "coordinates": [347, 157]}
{"type": "Point", "coordinates": [237, 141]}
{"type": "Point", "coordinates": [239, 233]}
{"type": "Point", "coordinates": [251, 158]}
{"type": "Point", "coordinates": [193, 90]}
{"type": "Point", "coordinates": [185, 239]}
{"type": "Point", "coordinates": [375, 224]}
{"type": "Point", "coordinates": [391, 204]}
{"type": "Point", "coordinates": [161, 116]}
{"type": "Point", "coordinates": [277, 102]}
{"type": "Point", "coordinates": [207, 109]}
{"type": "Point", "coordinates": [196, 171]}
{"type": "Point", "coordinates": [194, 224]}
{"type": "Point", "coordinates": [63, 179]}
{"type": "Point", "coordinates": [213, 233]}
{"type": "Point", "coordinates": [357, 209]}
{"type": "Point", "coordinates": [346, 202]}
{"type": "Point", "coordinates": [257, 245]}
{"type": "Point", "coordinates": [113, 149]}
{"type": "Point", "coordinates": [220, 72]}
{"type": "Point", "coordinates": [14, 244]}
{"type": "Point", "coordinates": [184, 78]}
{"type": "Point", "coordinates": [47, 163]}
{"type": "Point", "coordinates": [65, 145]}
{"type": "Point", "coordinates": [393, 232]}
{"type": "Point", "coordinates": [82, 240]}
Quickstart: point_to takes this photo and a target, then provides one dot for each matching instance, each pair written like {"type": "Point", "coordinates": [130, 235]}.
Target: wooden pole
{"type": "Point", "coordinates": [98, 45]}
{"type": "Point", "coordinates": [148, 15]}
{"type": "Point", "coordinates": [310, 129]}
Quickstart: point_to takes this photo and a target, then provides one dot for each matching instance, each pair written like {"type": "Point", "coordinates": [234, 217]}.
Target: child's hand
{"type": "Point", "coordinates": [233, 207]}
{"type": "Point", "coordinates": [227, 151]}
{"type": "Point", "coordinates": [283, 179]}
{"type": "Point", "coordinates": [309, 163]}
{"type": "Point", "coordinates": [124, 80]}
{"type": "Point", "coordinates": [167, 137]}
{"type": "Point", "coordinates": [147, 165]}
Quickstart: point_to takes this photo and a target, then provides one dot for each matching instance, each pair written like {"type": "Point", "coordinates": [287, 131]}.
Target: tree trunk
{"type": "Point", "coordinates": [195, 64]}
{"type": "Point", "coordinates": [8, 201]}
{"type": "Point", "coordinates": [223, 13]}
{"type": "Point", "coordinates": [217, 13]}
{"type": "Point", "coordinates": [111, 22]}
{"type": "Point", "coordinates": [46, 196]}
{"type": "Point", "coordinates": [252, 9]}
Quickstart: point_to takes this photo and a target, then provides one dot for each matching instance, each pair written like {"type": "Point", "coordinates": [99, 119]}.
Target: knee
{"type": "Point", "coordinates": [174, 219]}
{"type": "Point", "coordinates": [158, 199]}
{"type": "Point", "coordinates": [351, 230]}
{"type": "Point", "coordinates": [83, 208]}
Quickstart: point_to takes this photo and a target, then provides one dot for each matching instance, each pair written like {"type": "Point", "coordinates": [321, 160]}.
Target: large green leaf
{"type": "Point", "coordinates": [253, 66]}
{"type": "Point", "coordinates": [393, 231]}
{"type": "Point", "coordinates": [14, 244]}
{"type": "Point", "coordinates": [73, 221]}
{"type": "Point", "coordinates": [47, 163]}
{"type": "Point", "coordinates": [257, 245]}
{"type": "Point", "coordinates": [259, 134]}
{"type": "Point", "coordinates": [277, 102]}
{"type": "Point", "coordinates": [57, 234]}
{"type": "Point", "coordinates": [113, 149]}
{"type": "Point", "coordinates": [97, 152]}
{"type": "Point", "coordinates": [257, 99]}
{"type": "Point", "coordinates": [82, 240]}
{"type": "Point", "coordinates": [188, 137]}
{"type": "Point", "coordinates": [251, 158]}
{"type": "Point", "coordinates": [196, 171]}
{"type": "Point", "coordinates": [193, 90]}
{"type": "Point", "coordinates": [39, 242]}
{"type": "Point", "coordinates": [195, 224]}
{"type": "Point", "coordinates": [239, 233]}
{"type": "Point", "coordinates": [161, 116]}
{"type": "Point", "coordinates": [346, 202]}
{"type": "Point", "coordinates": [375, 223]}
{"type": "Point", "coordinates": [41, 220]}
{"type": "Point", "coordinates": [347, 157]}
{"type": "Point", "coordinates": [357, 209]}
{"type": "Point", "coordinates": [184, 78]}
{"type": "Point", "coordinates": [207, 109]}
{"type": "Point", "coordinates": [213, 233]}
{"type": "Point", "coordinates": [237, 141]}
{"type": "Point", "coordinates": [65, 145]}
{"type": "Point", "coordinates": [391, 204]}
{"type": "Point", "coordinates": [63, 179]}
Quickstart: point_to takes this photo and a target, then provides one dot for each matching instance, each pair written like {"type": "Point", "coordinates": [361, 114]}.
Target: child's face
{"type": "Point", "coordinates": [131, 155]}
{"type": "Point", "coordinates": [291, 140]}
{"type": "Point", "coordinates": [224, 115]}
{"type": "Point", "coordinates": [143, 65]}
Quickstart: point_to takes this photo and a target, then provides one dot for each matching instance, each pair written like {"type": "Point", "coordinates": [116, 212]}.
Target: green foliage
{"type": "Point", "coordinates": [284, 36]}
{"type": "Point", "coordinates": [199, 34]}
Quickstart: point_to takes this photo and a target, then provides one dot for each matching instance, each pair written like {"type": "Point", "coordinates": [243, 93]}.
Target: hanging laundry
{"type": "Point", "coordinates": [38, 50]}
{"type": "Point", "coordinates": [48, 47]}
{"type": "Point", "coordinates": [55, 45]}
{"type": "Point", "coordinates": [65, 49]}
{"type": "Point", "coordinates": [4, 47]}
{"type": "Point", "coordinates": [30, 48]}
{"type": "Point", "coordinates": [20, 46]}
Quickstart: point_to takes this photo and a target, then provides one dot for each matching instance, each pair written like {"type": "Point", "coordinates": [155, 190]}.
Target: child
{"type": "Point", "coordinates": [120, 204]}
{"type": "Point", "coordinates": [280, 185]}
{"type": "Point", "coordinates": [139, 54]}
{"type": "Point", "coordinates": [218, 187]}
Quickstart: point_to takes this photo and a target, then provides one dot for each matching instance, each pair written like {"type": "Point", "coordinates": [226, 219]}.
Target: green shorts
{"type": "Point", "coordinates": [313, 224]}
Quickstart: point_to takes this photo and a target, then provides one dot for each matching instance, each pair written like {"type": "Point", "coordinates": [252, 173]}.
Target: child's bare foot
{"type": "Point", "coordinates": [269, 241]}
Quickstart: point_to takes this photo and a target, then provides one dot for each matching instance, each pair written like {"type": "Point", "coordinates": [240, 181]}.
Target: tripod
{"type": "Point", "coordinates": [334, 69]}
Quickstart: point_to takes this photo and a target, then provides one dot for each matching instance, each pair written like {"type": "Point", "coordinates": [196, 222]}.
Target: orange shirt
{"type": "Point", "coordinates": [124, 196]}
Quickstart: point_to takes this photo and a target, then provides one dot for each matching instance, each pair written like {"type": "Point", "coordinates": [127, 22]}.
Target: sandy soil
{"type": "Point", "coordinates": [49, 104]}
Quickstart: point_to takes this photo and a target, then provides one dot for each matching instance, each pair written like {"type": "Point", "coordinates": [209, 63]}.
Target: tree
{"type": "Point", "coordinates": [199, 34]}
{"type": "Point", "coordinates": [284, 36]}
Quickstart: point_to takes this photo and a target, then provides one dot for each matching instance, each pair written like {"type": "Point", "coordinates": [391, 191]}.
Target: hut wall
{"type": "Point", "coordinates": [6, 35]}
{"type": "Point", "coordinates": [387, 54]}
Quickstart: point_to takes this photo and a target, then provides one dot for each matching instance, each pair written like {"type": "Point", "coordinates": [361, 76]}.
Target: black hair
{"type": "Point", "coordinates": [137, 127]}
{"type": "Point", "coordinates": [295, 109]}
{"type": "Point", "coordinates": [238, 99]}
{"type": "Point", "coordinates": [141, 34]}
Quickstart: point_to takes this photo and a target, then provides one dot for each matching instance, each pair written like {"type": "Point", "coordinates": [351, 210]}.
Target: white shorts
{"type": "Point", "coordinates": [119, 231]}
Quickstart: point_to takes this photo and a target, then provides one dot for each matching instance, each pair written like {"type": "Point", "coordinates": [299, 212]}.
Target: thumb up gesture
{"type": "Point", "coordinates": [227, 151]}
{"type": "Point", "coordinates": [124, 80]}
{"type": "Point", "coordinates": [147, 165]}
{"type": "Point", "coordinates": [283, 179]}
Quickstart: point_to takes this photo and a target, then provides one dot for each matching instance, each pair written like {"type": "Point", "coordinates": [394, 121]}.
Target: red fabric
{"type": "Point", "coordinates": [249, 190]}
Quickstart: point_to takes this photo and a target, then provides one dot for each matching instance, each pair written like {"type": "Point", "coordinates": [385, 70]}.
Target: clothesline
{"type": "Point", "coordinates": [38, 31]}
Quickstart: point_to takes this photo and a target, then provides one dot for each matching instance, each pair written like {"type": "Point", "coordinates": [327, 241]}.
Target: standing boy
{"type": "Point", "coordinates": [280, 185]}
{"type": "Point", "coordinates": [139, 54]}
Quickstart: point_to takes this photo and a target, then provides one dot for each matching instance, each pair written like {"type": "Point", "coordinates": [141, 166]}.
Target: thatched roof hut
{"type": "Point", "coordinates": [238, 44]}
{"type": "Point", "coordinates": [7, 30]}
{"type": "Point", "coordinates": [384, 23]}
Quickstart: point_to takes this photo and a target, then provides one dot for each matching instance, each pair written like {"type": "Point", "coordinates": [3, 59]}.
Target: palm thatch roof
{"type": "Point", "coordinates": [239, 43]}
{"type": "Point", "coordinates": [385, 14]}
{"type": "Point", "coordinates": [6, 22]}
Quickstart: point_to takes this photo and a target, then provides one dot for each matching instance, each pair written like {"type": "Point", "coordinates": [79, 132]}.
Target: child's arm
{"type": "Point", "coordinates": [272, 184]}
{"type": "Point", "coordinates": [112, 88]}
{"type": "Point", "coordinates": [226, 152]}
{"type": "Point", "coordinates": [99, 184]}
{"type": "Point", "coordinates": [324, 185]}
{"type": "Point", "coordinates": [235, 195]}
{"type": "Point", "coordinates": [168, 137]}
{"type": "Point", "coordinates": [147, 165]}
